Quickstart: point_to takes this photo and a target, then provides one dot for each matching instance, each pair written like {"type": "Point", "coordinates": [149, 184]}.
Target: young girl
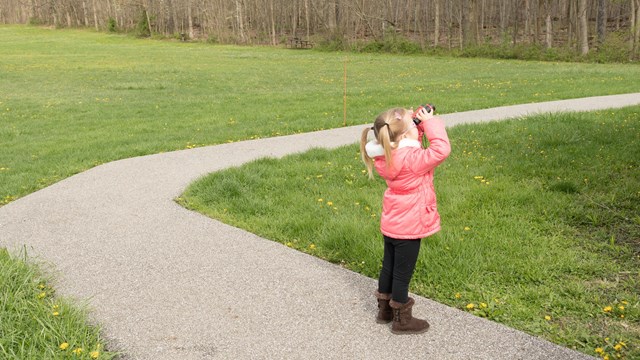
{"type": "Point", "coordinates": [409, 204]}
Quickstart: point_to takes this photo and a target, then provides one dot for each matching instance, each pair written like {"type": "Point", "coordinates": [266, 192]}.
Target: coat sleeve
{"type": "Point", "coordinates": [425, 160]}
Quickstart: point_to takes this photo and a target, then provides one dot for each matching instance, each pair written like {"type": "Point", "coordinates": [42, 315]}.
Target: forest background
{"type": "Point", "coordinates": [594, 30]}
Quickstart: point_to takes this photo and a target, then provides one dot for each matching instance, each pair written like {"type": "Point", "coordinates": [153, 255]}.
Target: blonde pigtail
{"type": "Point", "coordinates": [368, 162]}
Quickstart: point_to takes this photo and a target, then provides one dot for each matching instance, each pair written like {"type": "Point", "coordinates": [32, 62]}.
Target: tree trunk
{"type": "Point", "coordinates": [306, 16]}
{"type": "Point", "coordinates": [549, 26]}
{"type": "Point", "coordinates": [273, 24]}
{"type": "Point", "coordinates": [436, 35]}
{"type": "Point", "coordinates": [95, 16]}
{"type": "Point", "coordinates": [527, 21]}
{"type": "Point", "coordinates": [190, 20]}
{"type": "Point", "coordinates": [584, 30]}
{"type": "Point", "coordinates": [602, 21]}
{"type": "Point", "coordinates": [240, 20]}
{"type": "Point", "coordinates": [636, 26]}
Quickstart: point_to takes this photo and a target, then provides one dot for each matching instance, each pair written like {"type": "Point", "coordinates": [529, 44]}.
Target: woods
{"type": "Point", "coordinates": [582, 25]}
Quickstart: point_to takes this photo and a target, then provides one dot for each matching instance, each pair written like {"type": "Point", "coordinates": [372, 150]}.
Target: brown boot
{"type": "Point", "coordinates": [403, 322]}
{"type": "Point", "coordinates": [385, 313]}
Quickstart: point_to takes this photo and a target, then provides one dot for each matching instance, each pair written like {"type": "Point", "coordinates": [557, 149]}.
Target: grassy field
{"type": "Point", "coordinates": [70, 100]}
{"type": "Point", "coordinates": [540, 222]}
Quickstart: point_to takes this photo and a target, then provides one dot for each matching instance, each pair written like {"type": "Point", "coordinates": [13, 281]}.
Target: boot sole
{"type": "Point", "coordinates": [410, 332]}
{"type": "Point", "coordinates": [383, 321]}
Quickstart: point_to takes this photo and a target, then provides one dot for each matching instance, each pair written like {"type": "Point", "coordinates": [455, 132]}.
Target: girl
{"type": "Point", "coordinates": [409, 204]}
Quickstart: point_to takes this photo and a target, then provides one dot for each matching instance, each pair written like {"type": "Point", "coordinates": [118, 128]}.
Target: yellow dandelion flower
{"type": "Point", "coordinates": [621, 308]}
{"type": "Point", "coordinates": [94, 354]}
{"type": "Point", "coordinates": [55, 313]}
{"type": "Point", "coordinates": [329, 203]}
{"type": "Point", "coordinates": [466, 228]}
{"type": "Point", "coordinates": [607, 309]}
{"type": "Point", "coordinates": [618, 347]}
{"type": "Point", "coordinates": [312, 246]}
{"type": "Point", "coordinates": [547, 317]}
{"type": "Point", "coordinates": [77, 351]}
{"type": "Point", "coordinates": [64, 346]}
{"type": "Point", "coordinates": [471, 306]}
{"type": "Point", "coordinates": [458, 296]}
{"type": "Point", "coordinates": [42, 295]}
{"type": "Point", "coordinates": [606, 357]}
{"type": "Point", "coordinates": [320, 200]}
{"type": "Point", "coordinates": [41, 286]}
{"type": "Point", "coordinates": [483, 306]}
{"type": "Point", "coordinates": [289, 244]}
{"type": "Point", "coordinates": [621, 316]}
{"type": "Point", "coordinates": [622, 343]}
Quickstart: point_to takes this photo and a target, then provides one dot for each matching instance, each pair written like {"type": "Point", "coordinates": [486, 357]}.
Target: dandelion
{"type": "Point", "coordinates": [621, 308]}
{"type": "Point", "coordinates": [617, 347]}
{"type": "Point", "coordinates": [55, 313]}
{"type": "Point", "coordinates": [547, 317]}
{"type": "Point", "coordinates": [466, 228]}
{"type": "Point", "coordinates": [483, 306]}
{"type": "Point", "coordinates": [458, 296]}
{"type": "Point", "coordinates": [42, 295]}
{"type": "Point", "coordinates": [320, 200]}
{"type": "Point", "coordinates": [329, 203]}
{"type": "Point", "coordinates": [94, 354]}
{"type": "Point", "coordinates": [77, 351]}
{"type": "Point", "coordinates": [312, 246]}
{"type": "Point", "coordinates": [64, 346]}
{"type": "Point", "coordinates": [607, 309]}
{"type": "Point", "coordinates": [471, 306]}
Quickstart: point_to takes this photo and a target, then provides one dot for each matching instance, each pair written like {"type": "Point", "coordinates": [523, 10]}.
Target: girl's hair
{"type": "Point", "coordinates": [387, 129]}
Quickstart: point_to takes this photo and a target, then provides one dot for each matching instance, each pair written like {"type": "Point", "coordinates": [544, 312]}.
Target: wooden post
{"type": "Point", "coordinates": [344, 98]}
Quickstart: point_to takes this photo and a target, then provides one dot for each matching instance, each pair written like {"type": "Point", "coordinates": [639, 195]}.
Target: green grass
{"type": "Point", "coordinates": [36, 323]}
{"type": "Point", "coordinates": [540, 219]}
{"type": "Point", "coordinates": [72, 99]}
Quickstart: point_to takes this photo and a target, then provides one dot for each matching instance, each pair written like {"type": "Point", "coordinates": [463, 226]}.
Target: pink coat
{"type": "Point", "coordinates": [409, 208]}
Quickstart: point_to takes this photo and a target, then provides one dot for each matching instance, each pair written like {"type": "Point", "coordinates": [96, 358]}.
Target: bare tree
{"type": "Point", "coordinates": [602, 21]}
{"type": "Point", "coordinates": [584, 29]}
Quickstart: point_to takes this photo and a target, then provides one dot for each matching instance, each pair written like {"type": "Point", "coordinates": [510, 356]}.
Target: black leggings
{"type": "Point", "coordinates": [398, 264]}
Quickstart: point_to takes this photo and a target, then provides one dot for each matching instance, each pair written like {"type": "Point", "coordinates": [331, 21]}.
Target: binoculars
{"type": "Point", "coordinates": [431, 109]}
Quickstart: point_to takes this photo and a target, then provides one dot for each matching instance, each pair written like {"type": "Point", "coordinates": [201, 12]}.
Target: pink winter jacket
{"type": "Point", "coordinates": [409, 205]}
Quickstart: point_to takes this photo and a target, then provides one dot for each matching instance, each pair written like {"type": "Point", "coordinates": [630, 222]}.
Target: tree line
{"type": "Point", "coordinates": [583, 25]}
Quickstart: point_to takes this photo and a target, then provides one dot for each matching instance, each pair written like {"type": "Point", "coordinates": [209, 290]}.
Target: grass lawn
{"type": "Point", "coordinates": [72, 99]}
{"type": "Point", "coordinates": [541, 229]}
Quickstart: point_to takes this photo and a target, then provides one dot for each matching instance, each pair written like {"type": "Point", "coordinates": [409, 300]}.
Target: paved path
{"type": "Point", "coordinates": [167, 283]}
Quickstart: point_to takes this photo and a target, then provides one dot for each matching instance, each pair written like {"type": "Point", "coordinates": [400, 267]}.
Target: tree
{"type": "Point", "coordinates": [602, 21]}
{"type": "Point", "coordinates": [584, 31]}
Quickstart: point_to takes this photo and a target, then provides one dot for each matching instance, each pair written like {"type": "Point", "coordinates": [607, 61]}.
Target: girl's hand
{"type": "Point", "coordinates": [424, 114]}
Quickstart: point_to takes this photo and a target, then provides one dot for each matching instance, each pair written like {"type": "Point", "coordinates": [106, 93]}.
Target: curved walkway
{"type": "Point", "coordinates": [168, 283]}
